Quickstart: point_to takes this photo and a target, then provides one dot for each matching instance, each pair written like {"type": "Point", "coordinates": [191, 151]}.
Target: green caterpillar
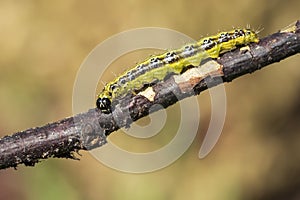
{"type": "Point", "coordinates": [157, 68]}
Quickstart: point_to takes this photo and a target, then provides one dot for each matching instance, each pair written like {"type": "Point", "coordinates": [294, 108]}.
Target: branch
{"type": "Point", "coordinates": [89, 130]}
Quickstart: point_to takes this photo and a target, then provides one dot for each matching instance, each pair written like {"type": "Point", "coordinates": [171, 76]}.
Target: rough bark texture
{"type": "Point", "coordinates": [89, 130]}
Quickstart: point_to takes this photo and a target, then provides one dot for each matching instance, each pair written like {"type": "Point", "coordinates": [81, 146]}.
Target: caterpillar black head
{"type": "Point", "coordinates": [104, 104]}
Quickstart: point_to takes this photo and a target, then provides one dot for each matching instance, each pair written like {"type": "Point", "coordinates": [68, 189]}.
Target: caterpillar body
{"type": "Point", "coordinates": [157, 68]}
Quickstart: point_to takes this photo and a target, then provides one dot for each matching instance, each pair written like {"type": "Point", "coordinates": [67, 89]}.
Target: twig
{"type": "Point", "coordinates": [89, 130]}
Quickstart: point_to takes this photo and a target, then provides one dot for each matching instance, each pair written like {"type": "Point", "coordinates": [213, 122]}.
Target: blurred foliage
{"type": "Point", "coordinates": [42, 45]}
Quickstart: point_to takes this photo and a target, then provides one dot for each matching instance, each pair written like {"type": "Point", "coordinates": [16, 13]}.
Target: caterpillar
{"type": "Point", "coordinates": [158, 67]}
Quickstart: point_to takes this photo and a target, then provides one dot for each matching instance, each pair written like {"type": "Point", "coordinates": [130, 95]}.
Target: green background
{"type": "Point", "coordinates": [42, 45]}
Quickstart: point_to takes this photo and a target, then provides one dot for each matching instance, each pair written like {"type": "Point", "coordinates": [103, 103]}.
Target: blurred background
{"type": "Point", "coordinates": [42, 46]}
